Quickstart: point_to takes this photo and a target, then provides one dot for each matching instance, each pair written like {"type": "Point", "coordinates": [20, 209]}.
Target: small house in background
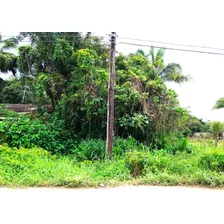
{"type": "Point", "coordinates": [27, 108]}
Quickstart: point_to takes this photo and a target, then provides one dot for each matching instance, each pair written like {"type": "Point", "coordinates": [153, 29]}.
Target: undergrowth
{"type": "Point", "coordinates": [38, 167]}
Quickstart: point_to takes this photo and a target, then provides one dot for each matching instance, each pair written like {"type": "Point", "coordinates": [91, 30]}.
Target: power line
{"type": "Point", "coordinates": [182, 45]}
{"type": "Point", "coordinates": [46, 41]}
{"type": "Point", "coordinates": [127, 38]}
{"type": "Point", "coordinates": [175, 49]}
{"type": "Point", "coordinates": [141, 45]}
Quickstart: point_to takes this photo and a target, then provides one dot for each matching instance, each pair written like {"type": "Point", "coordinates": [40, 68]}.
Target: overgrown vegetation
{"type": "Point", "coordinates": [38, 167]}
{"type": "Point", "coordinates": [22, 131]}
{"type": "Point", "coordinates": [69, 71]}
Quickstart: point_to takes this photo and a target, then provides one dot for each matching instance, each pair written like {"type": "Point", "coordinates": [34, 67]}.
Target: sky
{"type": "Point", "coordinates": [193, 22]}
{"type": "Point", "coordinates": [207, 73]}
{"type": "Point", "coordinates": [200, 94]}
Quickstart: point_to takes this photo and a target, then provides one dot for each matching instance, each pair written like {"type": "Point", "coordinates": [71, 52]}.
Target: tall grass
{"type": "Point", "coordinates": [134, 164]}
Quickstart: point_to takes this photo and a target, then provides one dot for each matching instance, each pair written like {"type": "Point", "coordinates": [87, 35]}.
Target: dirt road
{"type": "Point", "coordinates": [112, 205]}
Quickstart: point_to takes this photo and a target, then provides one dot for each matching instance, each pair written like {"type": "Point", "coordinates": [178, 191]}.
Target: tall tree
{"type": "Point", "coordinates": [7, 59]}
{"type": "Point", "coordinates": [71, 72]}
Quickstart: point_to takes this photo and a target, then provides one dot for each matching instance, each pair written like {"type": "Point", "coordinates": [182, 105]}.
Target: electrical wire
{"type": "Point", "coordinates": [175, 49]}
{"type": "Point", "coordinates": [182, 45]}
{"type": "Point", "coordinates": [135, 44]}
{"type": "Point", "coordinates": [127, 38]}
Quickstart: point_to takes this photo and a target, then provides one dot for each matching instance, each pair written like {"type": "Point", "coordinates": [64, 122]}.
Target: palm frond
{"type": "Point", "coordinates": [173, 72]}
{"type": "Point", "coordinates": [156, 58]}
{"type": "Point", "coordinates": [140, 52]}
{"type": "Point", "coordinates": [7, 62]}
{"type": "Point", "coordinates": [160, 53]}
{"type": "Point", "coordinates": [152, 54]}
{"type": "Point", "coordinates": [9, 43]}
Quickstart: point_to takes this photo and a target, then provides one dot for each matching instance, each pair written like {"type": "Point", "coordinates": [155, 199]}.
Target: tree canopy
{"type": "Point", "coordinates": [70, 71]}
{"type": "Point", "coordinates": [219, 103]}
{"type": "Point", "coordinates": [7, 60]}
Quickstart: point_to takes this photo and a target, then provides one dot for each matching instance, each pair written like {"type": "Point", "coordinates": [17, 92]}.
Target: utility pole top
{"type": "Point", "coordinates": [113, 36]}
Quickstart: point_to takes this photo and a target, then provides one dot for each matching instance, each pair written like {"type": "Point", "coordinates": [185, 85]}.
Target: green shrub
{"type": "Point", "coordinates": [15, 160]}
{"type": "Point", "coordinates": [135, 161]}
{"type": "Point", "coordinates": [21, 154]}
{"type": "Point", "coordinates": [121, 146]}
{"type": "Point", "coordinates": [92, 149]}
{"type": "Point", "coordinates": [5, 112]}
{"type": "Point", "coordinates": [178, 145]}
{"type": "Point", "coordinates": [213, 161]}
{"type": "Point", "coordinates": [157, 163]}
{"type": "Point", "coordinates": [23, 131]}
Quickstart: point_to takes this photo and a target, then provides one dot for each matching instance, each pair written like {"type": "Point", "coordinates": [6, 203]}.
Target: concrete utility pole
{"type": "Point", "coordinates": [110, 100]}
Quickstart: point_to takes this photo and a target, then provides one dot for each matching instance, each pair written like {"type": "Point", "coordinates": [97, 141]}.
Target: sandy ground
{"type": "Point", "coordinates": [142, 204]}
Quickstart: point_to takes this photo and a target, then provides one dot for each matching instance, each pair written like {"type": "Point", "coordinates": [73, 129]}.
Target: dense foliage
{"type": "Point", "coordinates": [219, 104]}
{"type": "Point", "coordinates": [22, 131]}
{"type": "Point", "coordinates": [70, 71]}
{"type": "Point", "coordinates": [8, 61]}
{"type": "Point", "coordinates": [196, 125]}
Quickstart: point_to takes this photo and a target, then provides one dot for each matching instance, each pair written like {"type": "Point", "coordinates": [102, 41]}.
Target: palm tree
{"type": "Point", "coordinates": [171, 72]}
{"type": "Point", "coordinates": [7, 59]}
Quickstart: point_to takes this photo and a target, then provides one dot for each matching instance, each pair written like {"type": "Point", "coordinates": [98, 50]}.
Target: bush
{"type": "Point", "coordinates": [213, 161]}
{"type": "Point", "coordinates": [92, 149]}
{"type": "Point", "coordinates": [178, 145]}
{"type": "Point", "coordinates": [21, 154]}
{"type": "Point", "coordinates": [15, 160]}
{"type": "Point", "coordinates": [23, 131]}
{"type": "Point", "coordinates": [135, 161]}
{"type": "Point", "coordinates": [4, 112]}
{"type": "Point", "coordinates": [121, 146]}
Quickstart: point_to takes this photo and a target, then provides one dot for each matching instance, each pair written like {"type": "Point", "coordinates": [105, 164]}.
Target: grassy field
{"type": "Point", "coordinates": [202, 165]}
